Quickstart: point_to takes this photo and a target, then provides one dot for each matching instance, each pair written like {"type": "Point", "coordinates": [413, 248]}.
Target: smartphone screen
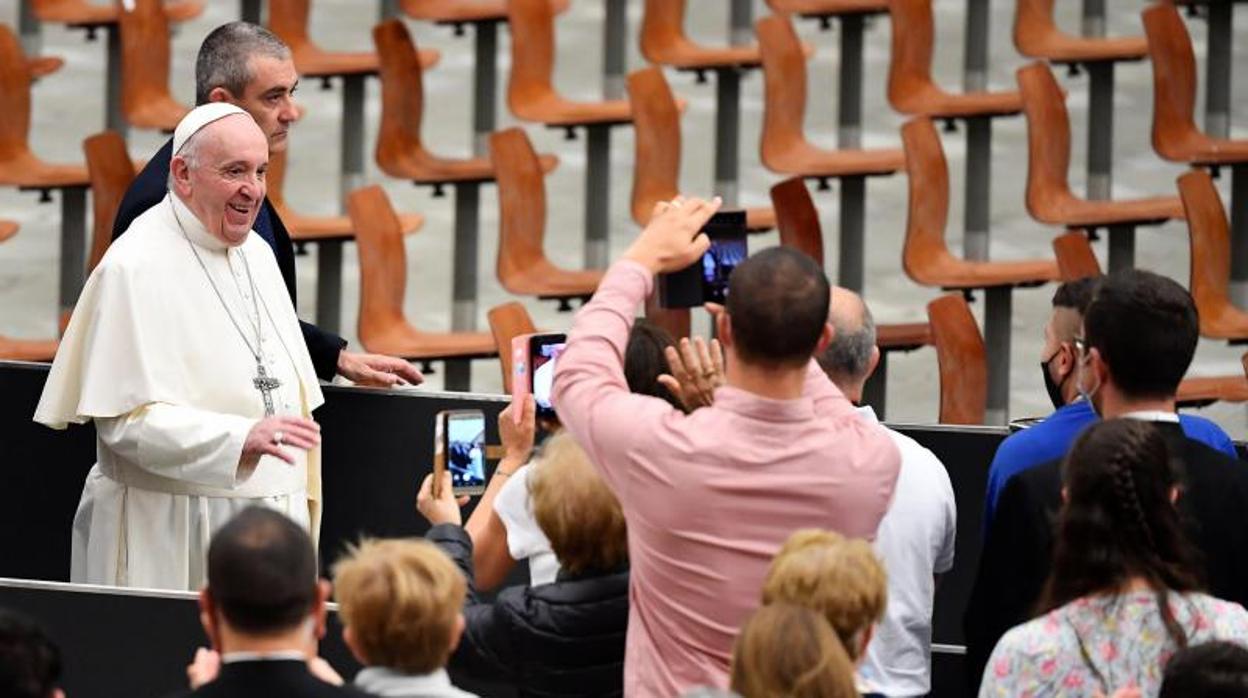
{"type": "Point", "coordinates": [717, 264]}
{"type": "Point", "coordinates": [465, 451]}
{"type": "Point", "coordinates": [544, 351]}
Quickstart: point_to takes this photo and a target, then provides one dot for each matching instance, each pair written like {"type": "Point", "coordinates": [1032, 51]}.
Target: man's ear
{"type": "Point", "coordinates": [874, 361]}
{"type": "Point", "coordinates": [723, 329]}
{"type": "Point", "coordinates": [220, 94]}
{"type": "Point", "coordinates": [825, 337]}
{"type": "Point", "coordinates": [208, 618]}
{"type": "Point", "coordinates": [320, 608]}
{"type": "Point", "coordinates": [180, 174]}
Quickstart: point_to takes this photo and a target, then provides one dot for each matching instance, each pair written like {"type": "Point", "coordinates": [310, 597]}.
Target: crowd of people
{"type": "Point", "coordinates": [702, 518]}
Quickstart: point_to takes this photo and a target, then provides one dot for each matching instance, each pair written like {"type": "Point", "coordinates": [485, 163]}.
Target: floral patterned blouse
{"type": "Point", "coordinates": [1103, 643]}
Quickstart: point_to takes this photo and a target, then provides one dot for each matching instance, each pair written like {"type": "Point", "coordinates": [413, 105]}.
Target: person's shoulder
{"type": "Point", "coordinates": [1204, 459]}
{"type": "Point", "coordinates": [917, 459]}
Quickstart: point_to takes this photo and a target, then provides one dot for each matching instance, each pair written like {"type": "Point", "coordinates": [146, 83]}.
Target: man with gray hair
{"type": "Point", "coordinates": [916, 536]}
{"type": "Point", "coordinates": [184, 350]}
{"type": "Point", "coordinates": [248, 66]}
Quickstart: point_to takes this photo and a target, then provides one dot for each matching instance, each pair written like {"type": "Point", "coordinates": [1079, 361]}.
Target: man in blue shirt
{"type": "Point", "coordinates": [1050, 438]}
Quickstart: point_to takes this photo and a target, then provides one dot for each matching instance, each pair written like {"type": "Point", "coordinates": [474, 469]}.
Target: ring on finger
{"type": "Point", "coordinates": [279, 437]}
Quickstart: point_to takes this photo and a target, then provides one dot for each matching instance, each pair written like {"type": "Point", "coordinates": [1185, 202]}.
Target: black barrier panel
{"type": "Point", "coordinates": [134, 644]}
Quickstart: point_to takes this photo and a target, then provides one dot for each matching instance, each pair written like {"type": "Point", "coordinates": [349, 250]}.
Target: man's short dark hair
{"type": "Point", "coordinates": [1210, 670]}
{"type": "Point", "coordinates": [225, 57]}
{"type": "Point", "coordinates": [1077, 294]}
{"type": "Point", "coordinates": [262, 572]}
{"type": "Point", "coordinates": [778, 304]}
{"type": "Point", "coordinates": [30, 664]}
{"type": "Point", "coordinates": [1145, 327]}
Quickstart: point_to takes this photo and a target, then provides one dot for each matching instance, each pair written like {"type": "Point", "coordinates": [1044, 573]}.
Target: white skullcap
{"type": "Point", "coordinates": [200, 117]}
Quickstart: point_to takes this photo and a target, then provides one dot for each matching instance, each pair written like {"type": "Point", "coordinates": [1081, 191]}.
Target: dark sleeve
{"type": "Point", "coordinates": [485, 650]}
{"type": "Point", "coordinates": [148, 189]}
{"type": "Point", "coordinates": [1013, 566]}
{"type": "Point", "coordinates": [324, 348]}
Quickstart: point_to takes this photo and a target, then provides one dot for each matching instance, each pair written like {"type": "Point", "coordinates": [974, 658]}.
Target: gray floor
{"type": "Point", "coordinates": [68, 106]}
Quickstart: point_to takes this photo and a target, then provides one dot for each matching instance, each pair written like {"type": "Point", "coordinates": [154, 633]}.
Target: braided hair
{"type": "Point", "coordinates": [1118, 522]}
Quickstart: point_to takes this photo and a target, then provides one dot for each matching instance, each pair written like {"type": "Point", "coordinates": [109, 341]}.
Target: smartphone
{"type": "Point", "coordinates": [462, 437]}
{"type": "Point", "coordinates": [544, 351]}
{"type": "Point", "coordinates": [706, 280]}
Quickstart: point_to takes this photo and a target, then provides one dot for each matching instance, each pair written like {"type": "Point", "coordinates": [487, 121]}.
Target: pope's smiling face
{"type": "Point", "coordinates": [222, 180]}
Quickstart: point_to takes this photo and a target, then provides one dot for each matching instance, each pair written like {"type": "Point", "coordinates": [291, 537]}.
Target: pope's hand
{"type": "Point", "coordinates": [673, 240]}
{"type": "Point", "coordinates": [442, 508]}
{"type": "Point", "coordinates": [204, 668]}
{"type": "Point", "coordinates": [271, 435]}
{"type": "Point", "coordinates": [377, 370]}
{"type": "Point", "coordinates": [516, 429]}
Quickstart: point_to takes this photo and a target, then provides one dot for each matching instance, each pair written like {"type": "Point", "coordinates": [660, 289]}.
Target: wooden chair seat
{"type": "Point", "coordinates": [1210, 238]}
{"type": "Point", "coordinates": [464, 11]}
{"type": "Point", "coordinates": [1049, 196]}
{"type": "Point", "coordinates": [42, 66]}
{"type": "Point", "coordinates": [508, 321]}
{"type": "Point", "coordinates": [27, 349]}
{"type": "Point", "coordinates": [1036, 35]}
{"type": "Point", "coordinates": [962, 361]}
{"type": "Point", "coordinates": [522, 265]}
{"type": "Point", "coordinates": [161, 113]}
{"type": "Point", "coordinates": [910, 86]}
{"type": "Point", "coordinates": [87, 14]}
{"type": "Point", "coordinates": [531, 94]}
{"type": "Point", "coordinates": [903, 336]}
{"type": "Point", "coordinates": [1075, 258]}
{"type": "Point", "coordinates": [400, 150]}
{"type": "Point", "coordinates": [760, 219]}
{"type": "Point", "coordinates": [925, 255]}
{"type": "Point", "coordinates": [146, 45]}
{"type": "Point", "coordinates": [289, 20]}
{"type": "Point", "coordinates": [828, 8]}
{"type": "Point", "coordinates": [7, 229]}
{"type": "Point", "coordinates": [304, 228]}
{"type": "Point", "coordinates": [23, 169]}
{"type": "Point", "coordinates": [1205, 390]}
{"type": "Point", "coordinates": [383, 327]}
{"type": "Point", "coordinates": [784, 146]}
{"type": "Point", "coordinates": [664, 42]}
{"type": "Point", "coordinates": [1175, 134]}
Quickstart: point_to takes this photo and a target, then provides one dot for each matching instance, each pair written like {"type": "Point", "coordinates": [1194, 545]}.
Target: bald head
{"type": "Point", "coordinates": [851, 356]}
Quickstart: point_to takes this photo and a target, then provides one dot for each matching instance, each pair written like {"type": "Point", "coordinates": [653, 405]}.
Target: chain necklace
{"type": "Point", "coordinates": [262, 381]}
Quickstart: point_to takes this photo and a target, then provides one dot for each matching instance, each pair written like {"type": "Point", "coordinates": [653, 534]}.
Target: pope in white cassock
{"type": "Point", "coordinates": [185, 351]}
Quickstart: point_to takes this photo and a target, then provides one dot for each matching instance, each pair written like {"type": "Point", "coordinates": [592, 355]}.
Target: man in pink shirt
{"type": "Point", "coordinates": [711, 496]}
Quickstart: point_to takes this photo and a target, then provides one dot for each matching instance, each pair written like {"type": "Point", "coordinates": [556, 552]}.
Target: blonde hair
{"type": "Point", "coordinates": [787, 651]}
{"type": "Point", "coordinates": [401, 599]}
{"type": "Point", "coordinates": [576, 510]}
{"type": "Point", "coordinates": [838, 577]}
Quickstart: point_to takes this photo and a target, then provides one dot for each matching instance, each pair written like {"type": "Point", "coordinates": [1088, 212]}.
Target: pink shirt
{"type": "Point", "coordinates": [709, 497]}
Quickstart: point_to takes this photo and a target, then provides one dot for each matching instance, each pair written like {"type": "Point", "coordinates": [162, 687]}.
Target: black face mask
{"type": "Point", "coordinates": [1053, 387]}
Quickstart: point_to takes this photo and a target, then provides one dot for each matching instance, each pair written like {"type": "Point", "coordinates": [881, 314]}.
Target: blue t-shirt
{"type": "Point", "coordinates": [1050, 438]}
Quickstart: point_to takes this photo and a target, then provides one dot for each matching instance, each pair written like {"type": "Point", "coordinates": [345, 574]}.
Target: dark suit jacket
{"type": "Point", "coordinates": [268, 679]}
{"type": "Point", "coordinates": [149, 188]}
{"type": "Point", "coordinates": [1016, 557]}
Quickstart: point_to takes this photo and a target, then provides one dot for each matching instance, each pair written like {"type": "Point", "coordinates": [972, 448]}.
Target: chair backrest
{"type": "Point", "coordinates": [1210, 243]}
{"type": "Point", "coordinates": [1048, 140]}
{"type": "Point", "coordinates": [7, 230]}
{"type": "Point", "coordinates": [797, 219]}
{"type": "Point", "coordinates": [662, 29]}
{"type": "Point", "coordinates": [383, 261]}
{"type": "Point", "coordinates": [784, 87]}
{"type": "Point", "coordinates": [1075, 258]}
{"type": "Point", "coordinates": [402, 95]}
{"type": "Point", "coordinates": [14, 96]}
{"type": "Point", "coordinates": [962, 360]}
{"type": "Point", "coordinates": [927, 211]}
{"type": "Point", "coordinates": [521, 203]}
{"type": "Point", "coordinates": [508, 321]}
{"type": "Point", "coordinates": [656, 118]}
{"type": "Point", "coordinates": [145, 54]}
{"type": "Point", "coordinates": [1033, 22]}
{"type": "Point", "coordinates": [111, 171]}
{"type": "Point", "coordinates": [1174, 81]}
{"type": "Point", "coordinates": [289, 20]}
{"type": "Point", "coordinates": [532, 54]}
{"type": "Point", "coordinates": [910, 63]}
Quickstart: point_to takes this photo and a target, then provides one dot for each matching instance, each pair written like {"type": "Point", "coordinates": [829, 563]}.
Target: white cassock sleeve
{"type": "Point", "coordinates": [182, 443]}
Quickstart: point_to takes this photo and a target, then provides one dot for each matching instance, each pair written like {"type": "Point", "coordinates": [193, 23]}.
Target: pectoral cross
{"type": "Point", "coordinates": [266, 384]}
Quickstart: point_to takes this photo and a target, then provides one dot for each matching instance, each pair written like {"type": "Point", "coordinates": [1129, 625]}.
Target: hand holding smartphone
{"type": "Point", "coordinates": [533, 370]}
{"type": "Point", "coordinates": [706, 281]}
{"type": "Point", "coordinates": [460, 449]}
